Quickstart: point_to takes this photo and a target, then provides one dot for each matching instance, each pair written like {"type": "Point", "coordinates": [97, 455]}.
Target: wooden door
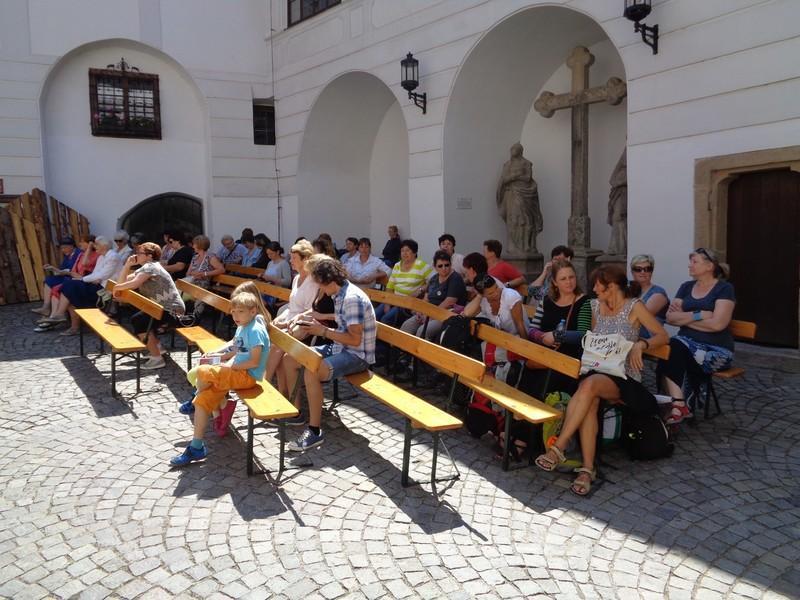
{"type": "Point", "coordinates": [764, 252]}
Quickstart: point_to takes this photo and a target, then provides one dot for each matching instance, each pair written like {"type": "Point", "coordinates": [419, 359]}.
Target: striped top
{"type": "Point", "coordinates": [405, 282]}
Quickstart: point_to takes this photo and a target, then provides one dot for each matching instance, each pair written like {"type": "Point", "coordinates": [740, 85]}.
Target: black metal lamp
{"type": "Point", "coordinates": [409, 79]}
{"type": "Point", "coordinates": [636, 10]}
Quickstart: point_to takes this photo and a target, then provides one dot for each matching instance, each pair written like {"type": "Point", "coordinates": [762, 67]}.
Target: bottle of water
{"type": "Point", "coordinates": [561, 329]}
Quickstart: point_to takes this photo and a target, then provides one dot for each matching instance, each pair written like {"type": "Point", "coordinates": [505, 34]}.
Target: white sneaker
{"type": "Point", "coordinates": [154, 363]}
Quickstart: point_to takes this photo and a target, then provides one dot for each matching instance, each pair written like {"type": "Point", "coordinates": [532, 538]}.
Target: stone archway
{"type": "Point", "coordinates": [352, 177]}
{"type": "Point", "coordinates": [491, 107]}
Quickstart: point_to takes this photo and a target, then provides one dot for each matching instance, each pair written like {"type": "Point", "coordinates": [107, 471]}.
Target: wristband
{"type": "Point", "coordinates": [697, 316]}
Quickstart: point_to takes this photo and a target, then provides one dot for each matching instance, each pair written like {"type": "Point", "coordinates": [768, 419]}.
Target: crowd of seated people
{"type": "Point", "coordinates": [475, 285]}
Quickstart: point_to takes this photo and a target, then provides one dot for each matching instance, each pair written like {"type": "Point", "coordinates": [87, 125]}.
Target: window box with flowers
{"type": "Point", "coordinates": [124, 102]}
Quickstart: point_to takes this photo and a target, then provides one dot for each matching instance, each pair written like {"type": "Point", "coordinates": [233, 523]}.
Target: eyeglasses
{"type": "Point", "coordinates": [483, 282]}
{"type": "Point", "coordinates": [443, 266]}
{"type": "Point", "coordinates": [642, 269]}
{"type": "Point", "coordinates": [118, 240]}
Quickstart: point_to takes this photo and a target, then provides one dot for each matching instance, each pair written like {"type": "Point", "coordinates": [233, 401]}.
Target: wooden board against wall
{"type": "Point", "coordinates": [29, 240]}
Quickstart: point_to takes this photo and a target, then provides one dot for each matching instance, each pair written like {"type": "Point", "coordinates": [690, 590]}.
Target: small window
{"type": "Point", "coordinates": [124, 102]}
{"type": "Point", "coordinates": [300, 10]}
{"type": "Point", "coordinates": [263, 123]}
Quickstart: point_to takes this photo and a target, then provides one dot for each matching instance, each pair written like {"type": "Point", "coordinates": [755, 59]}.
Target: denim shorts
{"type": "Point", "coordinates": [342, 363]}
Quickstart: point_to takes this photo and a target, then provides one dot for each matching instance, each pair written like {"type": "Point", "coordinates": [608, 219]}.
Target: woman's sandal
{"type": "Point", "coordinates": [583, 482]}
{"type": "Point", "coordinates": [550, 459]}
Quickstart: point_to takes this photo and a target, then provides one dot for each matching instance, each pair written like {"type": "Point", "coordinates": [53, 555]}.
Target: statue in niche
{"type": "Point", "coordinates": [618, 208]}
{"type": "Point", "coordinates": [518, 203]}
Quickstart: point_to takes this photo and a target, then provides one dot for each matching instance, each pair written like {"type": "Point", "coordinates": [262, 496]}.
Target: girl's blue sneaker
{"type": "Point", "coordinates": [189, 455]}
{"type": "Point", "coordinates": [187, 408]}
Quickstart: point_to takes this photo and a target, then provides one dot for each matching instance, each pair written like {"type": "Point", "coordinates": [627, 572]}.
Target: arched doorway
{"type": "Point", "coordinates": [156, 214]}
{"type": "Point", "coordinates": [352, 177]}
{"type": "Point", "coordinates": [491, 108]}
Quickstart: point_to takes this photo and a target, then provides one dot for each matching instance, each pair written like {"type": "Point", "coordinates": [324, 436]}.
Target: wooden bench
{"type": "Point", "coordinates": [239, 270]}
{"type": "Point", "coordinates": [269, 289]}
{"type": "Point", "coordinates": [742, 330]}
{"type": "Point", "coordinates": [196, 336]}
{"type": "Point", "coordinates": [121, 342]}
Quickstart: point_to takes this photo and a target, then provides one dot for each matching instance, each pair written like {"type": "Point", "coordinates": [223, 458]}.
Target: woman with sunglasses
{"type": "Point", "coordinates": [501, 305]}
{"type": "Point", "coordinates": [653, 296]}
{"type": "Point", "coordinates": [702, 308]}
{"type": "Point", "coordinates": [446, 289]}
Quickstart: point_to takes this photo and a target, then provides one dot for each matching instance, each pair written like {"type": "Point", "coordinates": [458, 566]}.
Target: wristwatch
{"type": "Point", "coordinates": [697, 315]}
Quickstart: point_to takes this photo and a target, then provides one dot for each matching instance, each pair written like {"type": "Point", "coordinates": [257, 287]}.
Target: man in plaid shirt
{"type": "Point", "coordinates": [350, 348]}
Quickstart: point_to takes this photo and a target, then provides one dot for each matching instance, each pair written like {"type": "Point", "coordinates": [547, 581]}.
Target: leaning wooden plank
{"type": "Point", "coordinates": [28, 275]}
{"type": "Point", "coordinates": [83, 224]}
{"type": "Point", "coordinates": [112, 332]}
{"type": "Point", "coordinates": [73, 224]}
{"type": "Point", "coordinates": [47, 244]}
{"type": "Point", "coordinates": [421, 414]}
{"type": "Point", "coordinates": [37, 260]}
{"type": "Point", "coordinates": [11, 279]}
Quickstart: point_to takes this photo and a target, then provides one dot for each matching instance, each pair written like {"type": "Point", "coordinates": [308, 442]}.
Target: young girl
{"type": "Point", "coordinates": [241, 366]}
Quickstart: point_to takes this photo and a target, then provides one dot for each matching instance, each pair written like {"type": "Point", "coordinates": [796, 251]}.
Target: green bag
{"type": "Point", "coordinates": [551, 430]}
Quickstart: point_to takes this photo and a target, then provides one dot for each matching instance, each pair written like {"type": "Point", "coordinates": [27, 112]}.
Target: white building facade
{"type": "Point", "coordinates": [354, 154]}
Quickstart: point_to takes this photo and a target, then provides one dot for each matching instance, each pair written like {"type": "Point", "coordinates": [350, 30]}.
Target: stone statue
{"type": "Point", "coordinates": [618, 208]}
{"type": "Point", "coordinates": [518, 203]}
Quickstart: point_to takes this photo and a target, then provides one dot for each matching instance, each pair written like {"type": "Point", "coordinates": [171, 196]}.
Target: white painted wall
{"type": "Point", "coordinates": [388, 178]}
{"type": "Point", "coordinates": [104, 177]}
{"type": "Point", "coordinates": [547, 144]}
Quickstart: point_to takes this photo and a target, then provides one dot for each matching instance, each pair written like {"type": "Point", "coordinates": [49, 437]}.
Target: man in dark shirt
{"type": "Point", "coordinates": [391, 251]}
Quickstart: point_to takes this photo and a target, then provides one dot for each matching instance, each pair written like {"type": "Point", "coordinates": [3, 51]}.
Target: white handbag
{"type": "Point", "coordinates": [605, 353]}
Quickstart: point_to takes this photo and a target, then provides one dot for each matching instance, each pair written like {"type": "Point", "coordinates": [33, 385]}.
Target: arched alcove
{"type": "Point", "coordinates": [156, 214]}
{"type": "Point", "coordinates": [105, 177]}
{"type": "Point", "coordinates": [491, 107]}
{"type": "Point", "coordinates": [352, 174]}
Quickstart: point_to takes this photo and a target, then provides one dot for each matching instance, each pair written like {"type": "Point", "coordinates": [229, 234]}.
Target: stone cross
{"type": "Point", "coordinates": [578, 99]}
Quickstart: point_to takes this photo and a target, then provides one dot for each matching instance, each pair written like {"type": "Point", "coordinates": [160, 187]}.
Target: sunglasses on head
{"type": "Point", "coordinates": [647, 269]}
{"type": "Point", "coordinates": [706, 253]}
{"type": "Point", "coordinates": [483, 282]}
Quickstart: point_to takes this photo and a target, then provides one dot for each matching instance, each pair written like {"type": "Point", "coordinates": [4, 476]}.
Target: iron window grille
{"type": "Point", "coordinates": [300, 10]}
{"type": "Point", "coordinates": [124, 102]}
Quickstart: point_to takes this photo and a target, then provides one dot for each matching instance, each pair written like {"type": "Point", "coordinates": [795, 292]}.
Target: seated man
{"type": "Point", "coordinates": [350, 348]}
{"type": "Point", "coordinates": [230, 253]}
{"type": "Point", "coordinates": [448, 243]}
{"type": "Point", "coordinates": [500, 269]}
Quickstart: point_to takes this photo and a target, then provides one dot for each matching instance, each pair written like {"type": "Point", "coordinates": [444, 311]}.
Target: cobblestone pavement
{"type": "Point", "coordinates": [89, 507]}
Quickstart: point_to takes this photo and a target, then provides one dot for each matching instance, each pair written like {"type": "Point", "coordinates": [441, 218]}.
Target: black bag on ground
{"type": "Point", "coordinates": [646, 437]}
{"type": "Point", "coordinates": [456, 335]}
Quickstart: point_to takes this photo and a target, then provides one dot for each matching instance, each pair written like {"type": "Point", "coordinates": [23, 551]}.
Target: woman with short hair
{"type": "Point", "coordinates": [703, 309]}
{"type": "Point", "coordinates": [653, 296]}
{"type": "Point", "coordinates": [204, 265]}
{"type": "Point", "coordinates": [152, 281]}
{"type": "Point", "coordinates": [409, 278]}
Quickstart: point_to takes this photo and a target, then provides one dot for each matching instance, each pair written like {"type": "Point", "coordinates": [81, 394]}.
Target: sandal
{"type": "Point", "coordinates": [679, 413]}
{"type": "Point", "coordinates": [583, 482]}
{"type": "Point", "coordinates": [550, 459]}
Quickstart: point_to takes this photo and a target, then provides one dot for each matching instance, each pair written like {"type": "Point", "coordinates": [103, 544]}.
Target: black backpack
{"type": "Point", "coordinates": [457, 335]}
{"type": "Point", "coordinates": [646, 437]}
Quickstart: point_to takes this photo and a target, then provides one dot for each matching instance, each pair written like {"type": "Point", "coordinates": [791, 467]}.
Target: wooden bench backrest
{"type": "Point", "coordinates": [433, 354]}
{"type": "Point", "coordinates": [415, 304]}
{"type": "Point", "coordinates": [269, 289]}
{"type": "Point", "coordinates": [544, 356]}
{"type": "Point", "coordinates": [203, 295]}
{"type": "Point", "coordinates": [135, 299]}
{"type": "Point", "coordinates": [239, 269]}
{"type": "Point", "coordinates": [743, 329]}
{"type": "Point", "coordinates": [306, 356]}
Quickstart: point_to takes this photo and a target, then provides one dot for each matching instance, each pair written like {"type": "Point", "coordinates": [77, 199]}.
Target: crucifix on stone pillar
{"type": "Point", "coordinates": [578, 99]}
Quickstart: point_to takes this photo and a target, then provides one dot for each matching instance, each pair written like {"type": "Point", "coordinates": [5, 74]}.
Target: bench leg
{"type": "Point", "coordinates": [453, 384]}
{"type": "Point", "coordinates": [113, 373]}
{"type": "Point", "coordinates": [433, 462]}
{"type": "Point", "coordinates": [188, 356]}
{"type": "Point", "coordinates": [80, 335]}
{"type": "Point", "coordinates": [250, 443]}
{"type": "Point", "coordinates": [282, 438]}
{"type": "Point", "coordinates": [714, 395]}
{"type": "Point", "coordinates": [507, 445]}
{"type": "Point", "coordinates": [406, 454]}
{"type": "Point", "coordinates": [138, 372]}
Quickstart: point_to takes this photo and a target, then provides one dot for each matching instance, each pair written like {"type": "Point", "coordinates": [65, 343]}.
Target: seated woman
{"type": "Point", "coordinates": [178, 263]}
{"type": "Point", "coordinates": [616, 310]}
{"type": "Point", "coordinates": [81, 291]}
{"type": "Point", "coordinates": [409, 278]}
{"type": "Point", "coordinates": [59, 275]}
{"type": "Point", "coordinates": [364, 269]}
{"type": "Point", "coordinates": [253, 251]}
{"type": "Point", "coordinates": [446, 289]}
{"type": "Point", "coordinates": [204, 264]}
{"type": "Point", "coordinates": [152, 281]}
{"type": "Point", "coordinates": [564, 302]}
{"type": "Point", "coordinates": [278, 271]}
{"type": "Point", "coordinates": [655, 297]}
{"type": "Point", "coordinates": [703, 309]}
{"type": "Point", "coordinates": [324, 245]}
{"type": "Point", "coordinates": [301, 299]}
{"type": "Point", "coordinates": [262, 241]}
{"type": "Point", "coordinates": [501, 305]}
